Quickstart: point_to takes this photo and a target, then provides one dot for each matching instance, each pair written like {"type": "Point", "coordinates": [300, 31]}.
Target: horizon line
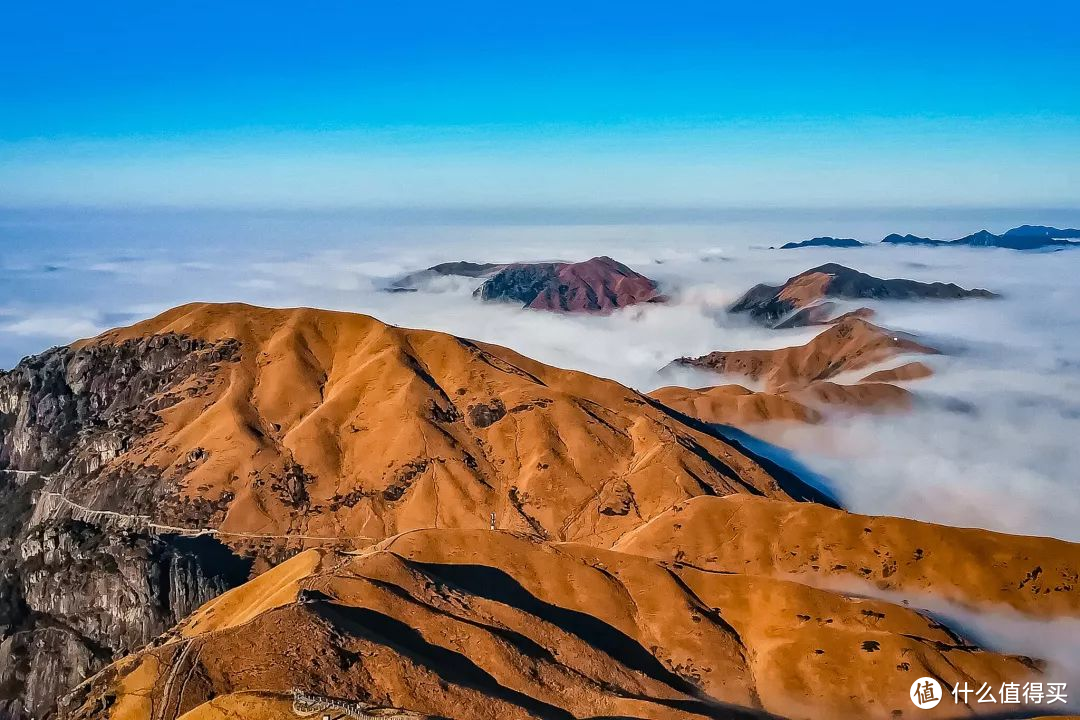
{"type": "Point", "coordinates": [556, 213]}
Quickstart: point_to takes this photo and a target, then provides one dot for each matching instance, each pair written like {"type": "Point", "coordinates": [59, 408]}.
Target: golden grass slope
{"type": "Point", "coordinates": [335, 424]}
{"type": "Point", "coordinates": [974, 567]}
{"type": "Point", "coordinates": [480, 625]}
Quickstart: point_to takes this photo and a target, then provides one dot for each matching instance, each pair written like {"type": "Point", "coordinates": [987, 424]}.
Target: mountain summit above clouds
{"type": "Point", "coordinates": [599, 285]}
{"type": "Point", "coordinates": [771, 304]}
{"type": "Point", "coordinates": [823, 242]}
{"type": "Point", "coordinates": [1024, 237]}
{"type": "Point", "coordinates": [1044, 231]}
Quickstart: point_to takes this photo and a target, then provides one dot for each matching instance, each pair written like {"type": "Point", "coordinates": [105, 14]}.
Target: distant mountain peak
{"type": "Point", "coordinates": [598, 285]}
{"type": "Point", "coordinates": [823, 242]}
{"type": "Point", "coordinates": [1025, 237]}
{"type": "Point", "coordinates": [1042, 231]}
{"type": "Point", "coordinates": [909, 239]}
{"type": "Point", "coordinates": [770, 304]}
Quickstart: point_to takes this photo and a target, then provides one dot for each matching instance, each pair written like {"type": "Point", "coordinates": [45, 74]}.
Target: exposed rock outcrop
{"type": "Point", "coordinates": [72, 595]}
{"type": "Point", "coordinates": [90, 595]}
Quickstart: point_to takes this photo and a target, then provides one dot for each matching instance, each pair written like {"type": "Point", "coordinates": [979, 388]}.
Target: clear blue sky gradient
{"type": "Point", "coordinates": [473, 103]}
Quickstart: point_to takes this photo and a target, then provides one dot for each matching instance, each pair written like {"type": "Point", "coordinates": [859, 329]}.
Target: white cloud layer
{"type": "Point", "coordinates": [992, 444]}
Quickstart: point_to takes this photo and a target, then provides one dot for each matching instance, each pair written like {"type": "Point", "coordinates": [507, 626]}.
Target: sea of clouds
{"type": "Point", "coordinates": [993, 442]}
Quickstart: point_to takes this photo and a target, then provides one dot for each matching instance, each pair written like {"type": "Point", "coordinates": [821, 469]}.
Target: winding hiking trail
{"type": "Point", "coordinates": [51, 505]}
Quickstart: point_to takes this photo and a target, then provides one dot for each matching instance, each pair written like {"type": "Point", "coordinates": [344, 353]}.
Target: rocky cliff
{"type": "Point", "coordinates": [74, 595]}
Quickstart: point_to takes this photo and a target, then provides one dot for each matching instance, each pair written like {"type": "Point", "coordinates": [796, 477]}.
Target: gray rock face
{"type": "Point", "coordinates": [75, 595]}
{"type": "Point", "coordinates": [520, 283]}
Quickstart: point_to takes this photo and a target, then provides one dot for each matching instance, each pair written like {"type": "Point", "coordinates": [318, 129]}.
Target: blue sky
{"type": "Point", "coordinates": [485, 103]}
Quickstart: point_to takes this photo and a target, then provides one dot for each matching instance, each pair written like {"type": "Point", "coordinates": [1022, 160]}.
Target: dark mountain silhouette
{"type": "Point", "coordinates": [823, 242]}
{"type": "Point", "coordinates": [1016, 241]}
{"type": "Point", "coordinates": [909, 239]}
{"type": "Point", "coordinates": [1025, 237]}
{"type": "Point", "coordinates": [1032, 231]}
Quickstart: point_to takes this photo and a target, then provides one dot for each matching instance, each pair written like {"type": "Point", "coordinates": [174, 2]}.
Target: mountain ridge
{"type": "Point", "coordinates": [327, 424]}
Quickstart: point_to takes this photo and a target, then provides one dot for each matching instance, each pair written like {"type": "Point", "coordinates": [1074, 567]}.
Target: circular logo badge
{"type": "Point", "coordinates": [925, 693]}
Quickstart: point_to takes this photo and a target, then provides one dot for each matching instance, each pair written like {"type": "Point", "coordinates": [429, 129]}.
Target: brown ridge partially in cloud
{"type": "Point", "coordinates": [739, 406]}
{"type": "Point", "coordinates": [903, 373]}
{"type": "Point", "coordinates": [734, 405]}
{"type": "Point", "coordinates": [851, 344]}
